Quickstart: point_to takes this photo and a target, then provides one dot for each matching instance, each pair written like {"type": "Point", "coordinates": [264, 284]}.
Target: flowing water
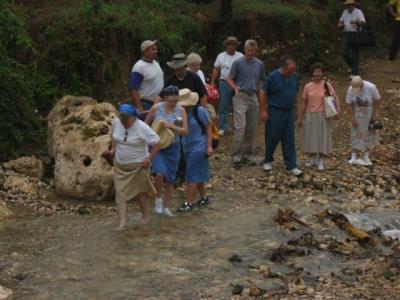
{"type": "Point", "coordinates": [185, 257]}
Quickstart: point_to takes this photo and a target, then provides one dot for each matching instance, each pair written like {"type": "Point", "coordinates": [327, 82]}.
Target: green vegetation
{"type": "Point", "coordinates": [50, 48]}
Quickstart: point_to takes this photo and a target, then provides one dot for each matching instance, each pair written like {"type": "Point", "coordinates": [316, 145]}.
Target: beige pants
{"type": "Point", "coordinates": [245, 118]}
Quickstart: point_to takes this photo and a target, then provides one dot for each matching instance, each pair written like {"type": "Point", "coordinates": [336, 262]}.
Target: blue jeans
{"type": "Point", "coordinates": [280, 127]}
{"type": "Point", "coordinates": [225, 103]}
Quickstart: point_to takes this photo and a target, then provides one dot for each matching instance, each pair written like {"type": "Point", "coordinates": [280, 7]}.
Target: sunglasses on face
{"type": "Point", "coordinates": [126, 135]}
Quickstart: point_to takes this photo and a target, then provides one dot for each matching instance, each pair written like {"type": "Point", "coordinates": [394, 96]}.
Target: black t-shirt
{"type": "Point", "coordinates": [191, 82]}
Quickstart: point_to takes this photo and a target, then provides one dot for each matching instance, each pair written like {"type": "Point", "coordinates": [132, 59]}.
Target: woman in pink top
{"type": "Point", "coordinates": [317, 140]}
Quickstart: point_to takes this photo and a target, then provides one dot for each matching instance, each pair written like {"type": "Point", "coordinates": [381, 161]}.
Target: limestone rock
{"type": "Point", "coordinates": [21, 184]}
{"type": "Point", "coordinates": [79, 131]}
{"type": "Point", "coordinates": [5, 293]}
{"type": "Point", "coordinates": [4, 213]}
{"type": "Point", "coordinates": [27, 165]}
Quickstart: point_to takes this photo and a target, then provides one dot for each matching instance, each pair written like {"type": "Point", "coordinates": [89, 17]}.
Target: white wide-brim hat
{"type": "Point", "coordinates": [187, 97]}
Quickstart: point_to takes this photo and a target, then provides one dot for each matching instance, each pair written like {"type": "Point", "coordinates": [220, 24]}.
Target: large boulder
{"type": "Point", "coordinates": [79, 130]}
{"type": "Point", "coordinates": [27, 165]}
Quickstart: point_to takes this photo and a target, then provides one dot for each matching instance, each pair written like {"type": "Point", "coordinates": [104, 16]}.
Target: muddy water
{"type": "Point", "coordinates": [185, 257]}
{"type": "Point", "coordinates": [80, 257]}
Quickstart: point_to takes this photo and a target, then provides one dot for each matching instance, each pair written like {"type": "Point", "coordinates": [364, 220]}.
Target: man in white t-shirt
{"type": "Point", "coordinates": [147, 78]}
{"type": "Point", "coordinates": [352, 18]}
{"type": "Point", "coordinates": [222, 67]}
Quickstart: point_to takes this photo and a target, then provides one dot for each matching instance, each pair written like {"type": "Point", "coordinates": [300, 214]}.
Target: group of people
{"type": "Point", "coordinates": [166, 130]}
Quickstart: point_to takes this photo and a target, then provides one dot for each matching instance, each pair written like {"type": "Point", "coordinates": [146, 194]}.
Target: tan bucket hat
{"type": "Point", "coordinates": [166, 135]}
{"type": "Point", "coordinates": [231, 40]}
{"type": "Point", "coordinates": [187, 97]}
{"type": "Point", "coordinates": [178, 60]}
{"type": "Point", "coordinates": [348, 2]}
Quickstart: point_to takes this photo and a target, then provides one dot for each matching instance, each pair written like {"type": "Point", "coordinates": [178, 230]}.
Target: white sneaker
{"type": "Point", "coordinates": [221, 132]}
{"type": "Point", "coordinates": [367, 161]}
{"type": "Point", "coordinates": [353, 160]}
{"type": "Point", "coordinates": [267, 167]}
{"type": "Point", "coordinates": [321, 164]}
{"type": "Point", "coordinates": [158, 206]}
{"type": "Point", "coordinates": [167, 212]}
{"type": "Point", "coordinates": [312, 162]}
{"type": "Point", "coordinates": [360, 162]}
{"type": "Point", "coordinates": [296, 172]}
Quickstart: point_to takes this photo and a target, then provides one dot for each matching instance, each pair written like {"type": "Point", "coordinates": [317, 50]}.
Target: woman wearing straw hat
{"type": "Point", "coordinates": [165, 165]}
{"type": "Point", "coordinates": [197, 148]}
{"type": "Point", "coordinates": [364, 103]}
{"type": "Point", "coordinates": [130, 142]}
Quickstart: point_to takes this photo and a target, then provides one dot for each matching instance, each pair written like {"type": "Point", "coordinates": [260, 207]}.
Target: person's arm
{"type": "Point", "coordinates": [302, 112]}
{"type": "Point", "coordinates": [210, 150]}
{"type": "Point", "coordinates": [134, 84]}
{"type": "Point", "coordinates": [203, 101]}
{"type": "Point", "coordinates": [135, 96]}
{"type": "Point", "coordinates": [232, 84]}
{"type": "Point", "coordinates": [152, 139]}
{"type": "Point", "coordinates": [263, 100]}
{"type": "Point", "coordinates": [215, 75]}
{"type": "Point", "coordinates": [150, 115]}
{"type": "Point", "coordinates": [354, 122]}
{"type": "Point", "coordinates": [231, 78]}
{"type": "Point", "coordinates": [376, 107]}
{"type": "Point", "coordinates": [340, 24]}
{"type": "Point", "coordinates": [153, 153]}
{"type": "Point", "coordinates": [180, 130]}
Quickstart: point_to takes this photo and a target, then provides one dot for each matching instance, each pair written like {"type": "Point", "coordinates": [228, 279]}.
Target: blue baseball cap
{"type": "Point", "coordinates": [129, 110]}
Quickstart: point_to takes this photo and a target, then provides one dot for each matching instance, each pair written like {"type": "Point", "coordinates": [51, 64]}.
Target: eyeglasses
{"type": "Point", "coordinates": [126, 135]}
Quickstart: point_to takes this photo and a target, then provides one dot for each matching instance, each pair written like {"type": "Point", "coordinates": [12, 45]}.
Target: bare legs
{"type": "Point", "coordinates": [191, 191]}
{"type": "Point", "coordinates": [168, 190]}
{"type": "Point", "coordinates": [123, 211]}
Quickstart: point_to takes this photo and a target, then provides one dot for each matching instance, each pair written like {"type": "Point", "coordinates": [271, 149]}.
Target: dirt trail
{"type": "Point", "coordinates": [187, 257]}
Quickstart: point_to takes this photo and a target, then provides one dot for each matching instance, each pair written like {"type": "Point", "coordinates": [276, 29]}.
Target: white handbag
{"type": "Point", "coordinates": [331, 108]}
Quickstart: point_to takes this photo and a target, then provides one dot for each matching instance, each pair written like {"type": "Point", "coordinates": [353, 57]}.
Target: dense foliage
{"type": "Point", "coordinates": [50, 48]}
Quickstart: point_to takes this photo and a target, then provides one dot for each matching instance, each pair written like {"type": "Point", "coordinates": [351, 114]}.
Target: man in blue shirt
{"type": "Point", "coordinates": [246, 76]}
{"type": "Point", "coordinates": [277, 111]}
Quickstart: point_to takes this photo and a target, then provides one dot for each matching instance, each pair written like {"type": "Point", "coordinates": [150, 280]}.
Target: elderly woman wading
{"type": "Point", "coordinates": [317, 140]}
{"type": "Point", "coordinates": [130, 141]}
{"type": "Point", "coordinates": [364, 103]}
{"type": "Point", "coordinates": [172, 117]}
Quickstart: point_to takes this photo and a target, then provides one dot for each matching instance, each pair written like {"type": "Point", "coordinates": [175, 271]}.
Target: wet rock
{"type": "Point", "coordinates": [78, 133]}
{"type": "Point", "coordinates": [4, 211]}
{"type": "Point", "coordinates": [237, 289]}
{"type": "Point", "coordinates": [255, 292]}
{"type": "Point", "coordinates": [5, 293]}
{"type": "Point", "coordinates": [27, 165]}
{"type": "Point", "coordinates": [235, 258]}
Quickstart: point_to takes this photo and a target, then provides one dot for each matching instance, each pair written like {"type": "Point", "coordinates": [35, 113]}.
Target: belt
{"type": "Point", "coordinates": [280, 108]}
{"type": "Point", "coordinates": [249, 93]}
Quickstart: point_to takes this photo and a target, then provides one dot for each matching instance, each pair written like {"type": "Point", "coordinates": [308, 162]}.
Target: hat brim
{"type": "Point", "coordinates": [189, 102]}
{"type": "Point", "coordinates": [166, 135]}
{"type": "Point", "coordinates": [355, 89]}
{"type": "Point", "coordinates": [175, 65]}
{"type": "Point", "coordinates": [349, 2]}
